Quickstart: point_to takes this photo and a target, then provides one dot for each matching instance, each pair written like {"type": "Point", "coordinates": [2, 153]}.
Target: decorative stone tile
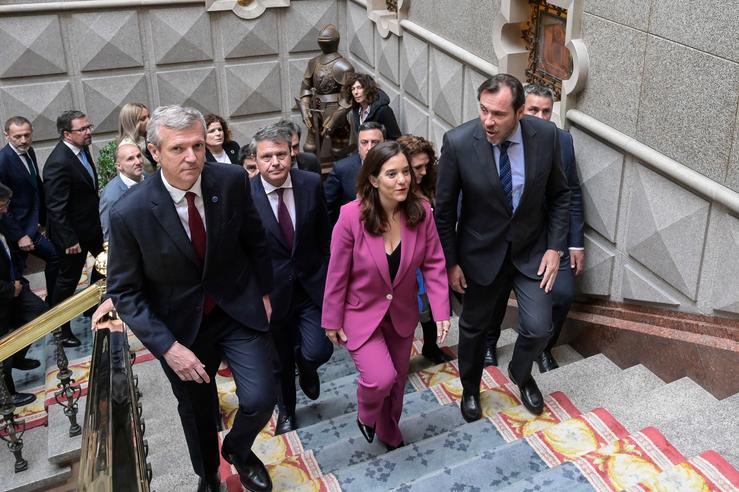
{"type": "Point", "coordinates": [600, 168]}
{"type": "Point", "coordinates": [394, 96]}
{"type": "Point", "coordinates": [413, 119]}
{"type": "Point", "coordinates": [438, 129]}
{"type": "Point", "coordinates": [633, 13]}
{"type": "Point", "coordinates": [472, 80]}
{"type": "Point", "coordinates": [389, 57]}
{"type": "Point", "coordinates": [104, 97]}
{"type": "Point", "coordinates": [725, 295]}
{"type": "Point", "coordinates": [296, 71]}
{"type": "Point", "coordinates": [243, 131]}
{"type": "Point", "coordinates": [414, 67]}
{"type": "Point", "coordinates": [446, 87]}
{"type": "Point", "coordinates": [599, 260]}
{"type": "Point", "coordinates": [361, 33]}
{"type": "Point", "coordinates": [31, 45]}
{"type": "Point", "coordinates": [638, 286]}
{"type": "Point", "coordinates": [106, 40]}
{"type": "Point", "coordinates": [304, 20]}
{"type": "Point", "coordinates": [666, 230]}
{"type": "Point", "coordinates": [256, 37]}
{"type": "Point", "coordinates": [614, 77]}
{"type": "Point", "coordinates": [705, 25]}
{"type": "Point", "coordinates": [254, 88]}
{"type": "Point", "coordinates": [196, 88]}
{"type": "Point", "coordinates": [181, 35]}
{"type": "Point", "coordinates": [40, 103]}
{"type": "Point", "coordinates": [688, 106]}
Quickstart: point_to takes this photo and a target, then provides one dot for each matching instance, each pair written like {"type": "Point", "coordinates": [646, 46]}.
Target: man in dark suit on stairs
{"type": "Point", "coordinates": [188, 272]}
{"type": "Point", "coordinates": [73, 223]}
{"type": "Point", "coordinates": [27, 211]}
{"type": "Point", "coordinates": [290, 204]}
{"type": "Point", "coordinates": [510, 233]}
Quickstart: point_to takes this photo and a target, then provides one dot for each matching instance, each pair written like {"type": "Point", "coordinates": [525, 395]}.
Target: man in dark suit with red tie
{"type": "Point", "coordinates": [27, 212]}
{"type": "Point", "coordinates": [203, 297]}
{"type": "Point", "coordinates": [73, 222]}
{"type": "Point", "coordinates": [291, 206]}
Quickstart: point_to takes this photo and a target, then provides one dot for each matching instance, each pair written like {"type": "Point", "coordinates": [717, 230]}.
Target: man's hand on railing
{"type": "Point", "coordinates": [101, 320]}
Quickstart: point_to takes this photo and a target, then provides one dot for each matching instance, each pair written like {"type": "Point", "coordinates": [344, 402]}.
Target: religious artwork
{"type": "Point", "coordinates": [549, 59]}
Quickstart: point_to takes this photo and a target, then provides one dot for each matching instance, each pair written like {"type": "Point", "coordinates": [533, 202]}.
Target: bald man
{"type": "Point", "coordinates": [130, 166]}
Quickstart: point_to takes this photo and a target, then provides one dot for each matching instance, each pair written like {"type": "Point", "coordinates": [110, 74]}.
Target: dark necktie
{"type": "Point", "coordinates": [506, 178]}
{"type": "Point", "coordinates": [29, 164]}
{"type": "Point", "coordinates": [197, 236]}
{"type": "Point", "coordinates": [283, 217]}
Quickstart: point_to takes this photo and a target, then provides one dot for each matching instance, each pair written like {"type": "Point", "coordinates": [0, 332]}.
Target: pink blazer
{"type": "Point", "coordinates": [358, 288]}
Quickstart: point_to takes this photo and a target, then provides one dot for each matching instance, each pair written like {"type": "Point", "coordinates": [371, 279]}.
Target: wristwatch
{"type": "Point", "coordinates": [560, 253]}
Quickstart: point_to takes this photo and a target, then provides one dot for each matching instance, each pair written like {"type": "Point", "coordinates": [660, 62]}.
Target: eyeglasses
{"type": "Point", "coordinates": [84, 129]}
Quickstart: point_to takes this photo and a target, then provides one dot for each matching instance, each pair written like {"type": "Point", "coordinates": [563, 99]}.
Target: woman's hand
{"type": "Point", "coordinates": [337, 337]}
{"type": "Point", "coordinates": [442, 329]}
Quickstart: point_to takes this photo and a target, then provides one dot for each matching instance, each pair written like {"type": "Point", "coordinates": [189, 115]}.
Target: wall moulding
{"type": "Point", "coordinates": [246, 9]}
{"type": "Point", "coordinates": [66, 6]}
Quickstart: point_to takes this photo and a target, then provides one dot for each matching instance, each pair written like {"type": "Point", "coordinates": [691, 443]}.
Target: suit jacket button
{"type": "Point", "coordinates": [389, 297]}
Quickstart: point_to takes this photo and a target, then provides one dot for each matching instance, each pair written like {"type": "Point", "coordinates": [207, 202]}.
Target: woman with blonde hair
{"type": "Point", "coordinates": [132, 121]}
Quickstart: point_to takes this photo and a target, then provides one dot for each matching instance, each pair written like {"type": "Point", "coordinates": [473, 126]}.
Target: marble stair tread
{"type": "Point", "coordinates": [663, 404]}
{"type": "Point", "coordinates": [61, 448]}
{"type": "Point", "coordinates": [41, 473]}
{"type": "Point", "coordinates": [716, 429]}
{"type": "Point", "coordinates": [580, 377]}
{"type": "Point", "coordinates": [622, 386]}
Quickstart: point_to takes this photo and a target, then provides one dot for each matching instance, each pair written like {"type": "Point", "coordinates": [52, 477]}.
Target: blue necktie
{"type": "Point", "coordinates": [506, 178]}
{"type": "Point", "coordinates": [83, 157]}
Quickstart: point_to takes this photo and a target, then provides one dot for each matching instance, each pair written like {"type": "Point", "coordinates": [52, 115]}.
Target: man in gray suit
{"type": "Point", "coordinates": [130, 167]}
{"type": "Point", "coordinates": [510, 231]}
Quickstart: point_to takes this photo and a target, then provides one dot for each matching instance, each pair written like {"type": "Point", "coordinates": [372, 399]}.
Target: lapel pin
{"type": "Point", "coordinates": [214, 199]}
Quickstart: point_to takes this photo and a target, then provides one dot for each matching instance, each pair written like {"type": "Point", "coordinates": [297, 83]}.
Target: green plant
{"type": "Point", "coordinates": [106, 164]}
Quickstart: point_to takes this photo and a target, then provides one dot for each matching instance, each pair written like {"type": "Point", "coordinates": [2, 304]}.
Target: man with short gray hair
{"type": "Point", "coordinates": [304, 161]}
{"type": "Point", "coordinates": [203, 297]}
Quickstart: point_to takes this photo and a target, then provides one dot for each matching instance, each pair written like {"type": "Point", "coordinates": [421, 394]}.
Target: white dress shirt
{"type": "Point", "coordinates": [222, 157]}
{"type": "Point", "coordinates": [180, 202]}
{"type": "Point", "coordinates": [287, 197]}
{"type": "Point", "coordinates": [128, 181]}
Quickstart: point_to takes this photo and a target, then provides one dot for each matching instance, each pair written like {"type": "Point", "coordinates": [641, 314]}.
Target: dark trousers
{"type": "Point", "coordinates": [70, 271]}
{"type": "Point", "coordinates": [562, 295]}
{"type": "Point", "coordinates": [22, 309]}
{"type": "Point", "coordinates": [249, 356]}
{"type": "Point", "coordinates": [301, 328]}
{"type": "Point", "coordinates": [534, 313]}
{"type": "Point", "coordinates": [45, 250]}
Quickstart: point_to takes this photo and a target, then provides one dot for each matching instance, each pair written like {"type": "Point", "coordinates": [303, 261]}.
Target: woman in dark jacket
{"type": "Point", "coordinates": [369, 103]}
{"type": "Point", "coordinates": [218, 144]}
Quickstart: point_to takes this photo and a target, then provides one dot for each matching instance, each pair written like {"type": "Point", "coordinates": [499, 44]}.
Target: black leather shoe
{"type": "Point", "coordinates": [21, 399]}
{"type": "Point", "coordinates": [491, 357]}
{"type": "Point", "coordinates": [71, 341]}
{"type": "Point", "coordinates": [211, 483]}
{"type": "Point", "coordinates": [285, 423]}
{"type": "Point", "coordinates": [26, 364]}
{"type": "Point", "coordinates": [546, 362]}
{"type": "Point", "coordinates": [530, 394]}
{"type": "Point", "coordinates": [470, 406]}
{"type": "Point", "coordinates": [308, 378]}
{"type": "Point", "coordinates": [367, 431]}
{"type": "Point", "coordinates": [392, 448]}
{"type": "Point", "coordinates": [434, 354]}
{"type": "Point", "coordinates": [252, 473]}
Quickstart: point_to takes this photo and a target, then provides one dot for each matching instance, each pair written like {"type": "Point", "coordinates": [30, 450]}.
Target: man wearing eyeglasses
{"type": "Point", "coordinates": [73, 223]}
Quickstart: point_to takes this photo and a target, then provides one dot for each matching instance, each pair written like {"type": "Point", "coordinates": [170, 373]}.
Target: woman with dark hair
{"type": "Point", "coordinates": [218, 143]}
{"type": "Point", "coordinates": [422, 158]}
{"type": "Point", "coordinates": [369, 103]}
{"type": "Point", "coordinates": [369, 304]}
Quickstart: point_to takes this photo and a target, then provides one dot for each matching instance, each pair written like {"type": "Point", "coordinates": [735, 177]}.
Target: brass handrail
{"type": "Point", "coordinates": [52, 319]}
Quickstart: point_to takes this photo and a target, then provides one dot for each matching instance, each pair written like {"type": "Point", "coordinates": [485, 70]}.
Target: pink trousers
{"type": "Point", "coordinates": [383, 366]}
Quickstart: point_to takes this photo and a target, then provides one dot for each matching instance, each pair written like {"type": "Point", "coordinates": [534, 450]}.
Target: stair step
{"type": "Point", "coordinates": [585, 376]}
{"type": "Point", "coordinates": [41, 474]}
{"type": "Point", "coordinates": [622, 387]}
{"type": "Point", "coordinates": [61, 448]}
{"type": "Point", "coordinates": [709, 471]}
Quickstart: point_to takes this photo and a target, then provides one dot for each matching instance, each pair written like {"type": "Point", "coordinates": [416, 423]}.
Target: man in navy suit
{"type": "Point", "coordinates": [129, 162]}
{"type": "Point", "coordinates": [27, 212]}
{"type": "Point", "coordinates": [290, 204]}
{"type": "Point", "coordinates": [187, 273]}
{"type": "Point", "coordinates": [305, 161]}
{"type": "Point", "coordinates": [341, 183]}
{"type": "Point", "coordinates": [539, 102]}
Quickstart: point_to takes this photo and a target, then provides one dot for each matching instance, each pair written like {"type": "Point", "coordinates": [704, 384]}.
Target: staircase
{"type": "Point", "coordinates": [603, 429]}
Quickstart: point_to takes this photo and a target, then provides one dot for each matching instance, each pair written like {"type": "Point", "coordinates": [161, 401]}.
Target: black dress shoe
{"type": "Point", "coordinates": [211, 483]}
{"type": "Point", "coordinates": [530, 394]}
{"type": "Point", "coordinates": [367, 431]}
{"type": "Point", "coordinates": [21, 399]}
{"type": "Point", "coordinates": [546, 362]}
{"type": "Point", "coordinates": [470, 406]}
{"type": "Point", "coordinates": [308, 378]}
{"type": "Point", "coordinates": [252, 473]}
{"type": "Point", "coordinates": [71, 341]}
{"type": "Point", "coordinates": [491, 357]}
{"type": "Point", "coordinates": [285, 423]}
{"type": "Point", "coordinates": [435, 354]}
{"type": "Point", "coordinates": [26, 364]}
{"type": "Point", "coordinates": [392, 448]}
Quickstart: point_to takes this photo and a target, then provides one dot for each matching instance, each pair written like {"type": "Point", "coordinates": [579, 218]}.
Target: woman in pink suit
{"type": "Point", "coordinates": [369, 304]}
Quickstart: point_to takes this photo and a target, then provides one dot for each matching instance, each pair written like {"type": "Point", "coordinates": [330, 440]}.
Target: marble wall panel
{"type": "Point", "coordinates": [471, 106]}
{"type": "Point", "coordinates": [40, 103]}
{"type": "Point", "coordinates": [189, 87]}
{"type": "Point", "coordinates": [414, 67]}
{"type": "Point", "coordinates": [414, 119]}
{"type": "Point", "coordinates": [632, 13]}
{"type": "Point", "coordinates": [688, 106]}
{"type": "Point", "coordinates": [388, 61]}
{"type": "Point", "coordinates": [725, 292]}
{"type": "Point", "coordinates": [181, 35]}
{"type": "Point", "coordinates": [640, 285]}
{"type": "Point", "coordinates": [254, 88]}
{"type": "Point", "coordinates": [438, 129]}
{"type": "Point", "coordinates": [243, 131]}
{"type": "Point", "coordinates": [599, 260]}
{"type": "Point", "coordinates": [446, 87]}
{"type": "Point", "coordinates": [361, 33]}
{"type": "Point", "coordinates": [31, 46]}
{"type": "Point", "coordinates": [106, 40]}
{"type": "Point", "coordinates": [304, 20]}
{"type": "Point", "coordinates": [248, 37]}
{"type": "Point", "coordinates": [732, 173]}
{"type": "Point", "coordinates": [104, 97]}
